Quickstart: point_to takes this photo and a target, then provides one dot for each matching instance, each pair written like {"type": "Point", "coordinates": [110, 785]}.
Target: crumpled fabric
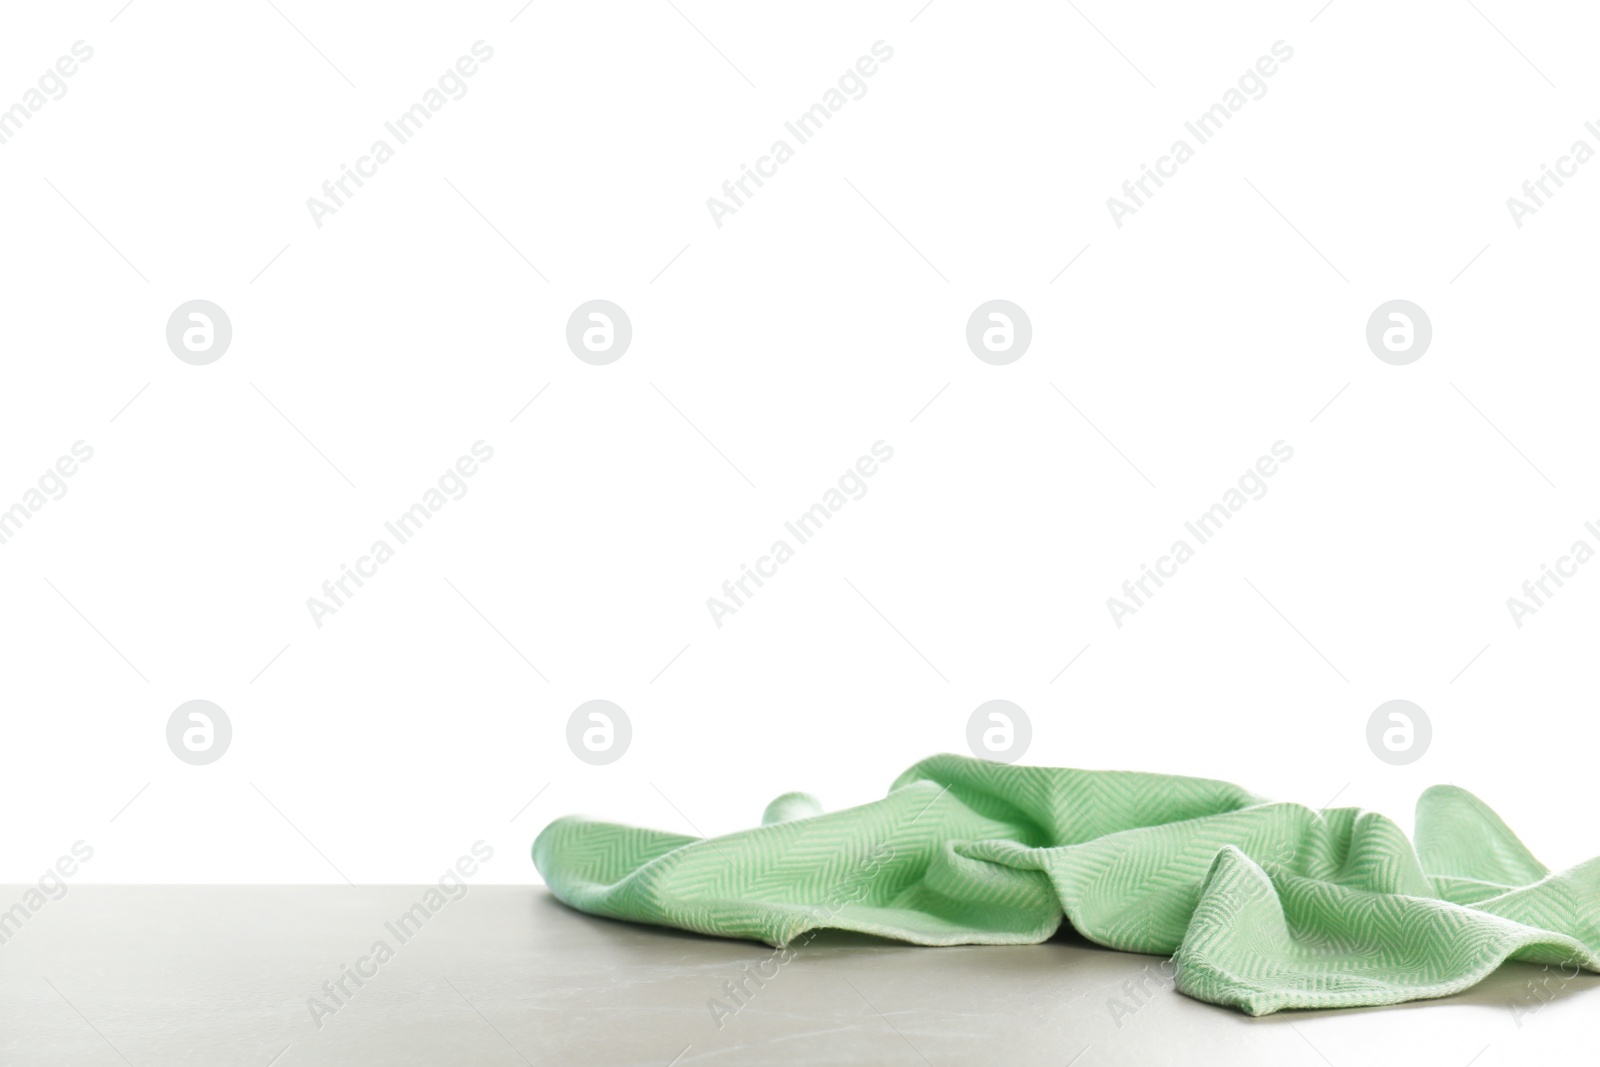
{"type": "Point", "coordinates": [1262, 905]}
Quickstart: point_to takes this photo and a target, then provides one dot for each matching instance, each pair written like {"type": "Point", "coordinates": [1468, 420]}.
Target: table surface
{"type": "Point", "coordinates": [223, 976]}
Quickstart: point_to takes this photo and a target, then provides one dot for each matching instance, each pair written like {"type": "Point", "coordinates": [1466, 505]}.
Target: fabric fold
{"type": "Point", "coordinates": [1263, 905]}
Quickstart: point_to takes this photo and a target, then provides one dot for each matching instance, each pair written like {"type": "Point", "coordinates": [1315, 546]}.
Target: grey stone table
{"type": "Point", "coordinates": [225, 976]}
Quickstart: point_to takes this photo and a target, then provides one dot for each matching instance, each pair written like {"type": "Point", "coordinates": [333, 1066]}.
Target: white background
{"type": "Point", "coordinates": [822, 317]}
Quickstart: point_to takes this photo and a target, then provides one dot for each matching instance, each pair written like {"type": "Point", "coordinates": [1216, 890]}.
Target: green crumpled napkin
{"type": "Point", "coordinates": [1262, 905]}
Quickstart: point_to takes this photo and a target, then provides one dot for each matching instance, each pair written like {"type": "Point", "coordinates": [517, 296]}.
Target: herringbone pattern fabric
{"type": "Point", "coordinates": [1262, 905]}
